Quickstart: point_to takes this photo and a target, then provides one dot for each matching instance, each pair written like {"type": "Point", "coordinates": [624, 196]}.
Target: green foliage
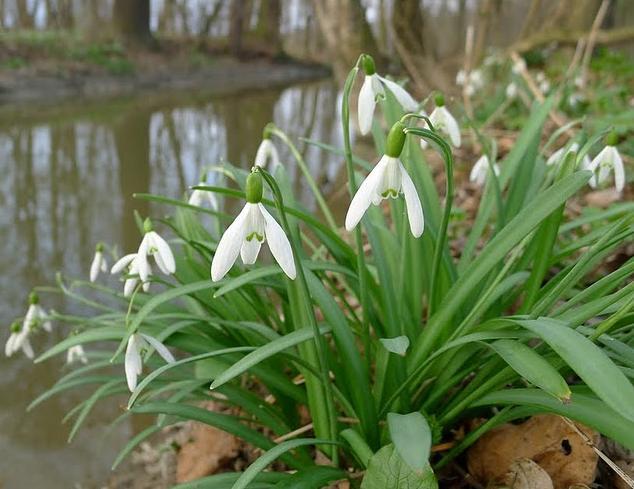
{"type": "Point", "coordinates": [388, 340]}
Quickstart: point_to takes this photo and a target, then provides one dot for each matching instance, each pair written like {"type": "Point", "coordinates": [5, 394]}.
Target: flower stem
{"type": "Point", "coordinates": [308, 315]}
{"type": "Point", "coordinates": [441, 237]}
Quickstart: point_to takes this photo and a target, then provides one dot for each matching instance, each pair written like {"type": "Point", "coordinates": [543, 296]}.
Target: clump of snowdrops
{"type": "Point", "coordinates": [385, 338]}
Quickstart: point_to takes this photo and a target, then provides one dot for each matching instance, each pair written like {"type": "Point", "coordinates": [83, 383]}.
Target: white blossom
{"type": "Point", "coordinates": [267, 155]}
{"type": "Point", "coordinates": [245, 236]}
{"type": "Point", "coordinates": [480, 170]}
{"type": "Point", "coordinates": [133, 359]}
{"type": "Point", "coordinates": [76, 353]}
{"type": "Point", "coordinates": [388, 179]}
{"type": "Point", "coordinates": [373, 87]}
{"type": "Point", "coordinates": [99, 264]}
{"type": "Point", "coordinates": [443, 121]}
{"type": "Point", "coordinates": [606, 161]}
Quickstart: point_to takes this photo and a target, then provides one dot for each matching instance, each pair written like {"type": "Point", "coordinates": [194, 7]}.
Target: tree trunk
{"type": "Point", "coordinates": [408, 24]}
{"type": "Point", "coordinates": [131, 21]}
{"type": "Point", "coordinates": [268, 27]}
{"type": "Point", "coordinates": [236, 26]}
{"type": "Point", "coordinates": [346, 32]}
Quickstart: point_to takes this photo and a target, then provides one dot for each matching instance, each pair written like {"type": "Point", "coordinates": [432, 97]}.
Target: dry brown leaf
{"type": "Point", "coordinates": [602, 198]}
{"type": "Point", "coordinates": [526, 474]}
{"type": "Point", "coordinates": [207, 450]}
{"type": "Point", "coordinates": [545, 439]}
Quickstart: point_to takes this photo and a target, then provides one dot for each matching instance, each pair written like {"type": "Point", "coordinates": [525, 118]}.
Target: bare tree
{"type": "Point", "coordinates": [268, 26]}
{"type": "Point", "coordinates": [237, 17]}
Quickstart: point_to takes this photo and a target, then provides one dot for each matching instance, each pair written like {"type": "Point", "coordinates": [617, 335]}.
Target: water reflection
{"type": "Point", "coordinates": [69, 174]}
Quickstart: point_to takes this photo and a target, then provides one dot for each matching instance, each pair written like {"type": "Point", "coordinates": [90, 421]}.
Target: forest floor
{"type": "Point", "coordinates": [49, 66]}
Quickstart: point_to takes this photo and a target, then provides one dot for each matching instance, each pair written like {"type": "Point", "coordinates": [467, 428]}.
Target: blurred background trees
{"type": "Point", "coordinates": [424, 38]}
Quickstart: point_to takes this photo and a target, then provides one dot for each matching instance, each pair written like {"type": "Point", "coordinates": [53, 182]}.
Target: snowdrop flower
{"type": "Point", "coordinates": [511, 90]}
{"type": "Point", "coordinates": [608, 159]}
{"type": "Point", "coordinates": [544, 84]}
{"type": "Point", "coordinates": [519, 66]}
{"type": "Point", "coordinates": [76, 354]}
{"type": "Point", "coordinates": [35, 315]}
{"type": "Point", "coordinates": [133, 361]}
{"type": "Point", "coordinates": [248, 231]}
{"type": "Point", "coordinates": [388, 179]}
{"type": "Point", "coordinates": [461, 78]}
{"type": "Point", "coordinates": [99, 263]}
{"type": "Point", "coordinates": [443, 121]}
{"type": "Point", "coordinates": [561, 153]}
{"type": "Point", "coordinates": [267, 152]}
{"type": "Point", "coordinates": [373, 87]}
{"type": "Point", "coordinates": [199, 197]}
{"type": "Point", "coordinates": [137, 263]}
{"type": "Point", "coordinates": [133, 263]}
{"type": "Point", "coordinates": [480, 170]}
{"type": "Point", "coordinates": [19, 340]}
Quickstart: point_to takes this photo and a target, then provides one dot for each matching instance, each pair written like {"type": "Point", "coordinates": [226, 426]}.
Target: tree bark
{"type": "Point", "coordinates": [131, 21]}
{"type": "Point", "coordinates": [346, 32]}
{"type": "Point", "coordinates": [236, 26]}
{"type": "Point", "coordinates": [268, 27]}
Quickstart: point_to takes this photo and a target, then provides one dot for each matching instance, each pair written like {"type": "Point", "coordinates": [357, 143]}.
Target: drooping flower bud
{"type": "Point", "coordinates": [395, 140]}
{"type": "Point", "coordinates": [612, 139]}
{"type": "Point", "coordinates": [367, 63]}
{"type": "Point", "coordinates": [254, 188]}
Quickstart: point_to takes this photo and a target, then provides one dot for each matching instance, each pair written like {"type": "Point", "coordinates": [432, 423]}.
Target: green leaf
{"type": "Point", "coordinates": [90, 335]}
{"type": "Point", "coordinates": [225, 481]}
{"type": "Point", "coordinates": [398, 345]}
{"type": "Point", "coordinates": [583, 408]}
{"type": "Point", "coordinates": [589, 362]}
{"type": "Point", "coordinates": [388, 469]}
{"type": "Point", "coordinates": [412, 438]}
{"type": "Point", "coordinates": [271, 455]}
{"type": "Point", "coordinates": [264, 352]}
{"type": "Point", "coordinates": [533, 367]}
{"type": "Point", "coordinates": [224, 422]}
{"type": "Point", "coordinates": [522, 224]}
{"type": "Point", "coordinates": [315, 477]}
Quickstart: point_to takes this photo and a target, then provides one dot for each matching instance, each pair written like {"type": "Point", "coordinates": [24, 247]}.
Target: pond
{"type": "Point", "coordinates": [69, 174]}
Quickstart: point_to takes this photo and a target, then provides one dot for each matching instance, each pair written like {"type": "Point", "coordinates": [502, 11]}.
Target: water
{"type": "Point", "coordinates": [69, 172]}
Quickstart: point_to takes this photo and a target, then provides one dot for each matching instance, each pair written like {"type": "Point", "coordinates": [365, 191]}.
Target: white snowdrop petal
{"type": "Point", "coordinates": [122, 263]}
{"type": "Point", "coordinates": [249, 251]}
{"type": "Point", "coordinates": [452, 128]}
{"type": "Point", "coordinates": [278, 244]}
{"type": "Point", "coordinates": [128, 286]}
{"type": "Point", "coordinates": [366, 194]}
{"type": "Point", "coordinates": [164, 250]}
{"type": "Point", "coordinates": [412, 201]}
{"type": "Point", "coordinates": [195, 198]}
{"type": "Point", "coordinates": [133, 362]}
{"type": "Point", "coordinates": [160, 348]}
{"type": "Point", "coordinates": [366, 105]}
{"type": "Point", "coordinates": [95, 266]}
{"type": "Point", "coordinates": [229, 246]}
{"type": "Point", "coordinates": [404, 98]}
{"type": "Point", "coordinates": [27, 348]}
{"type": "Point", "coordinates": [161, 264]}
{"type": "Point", "coordinates": [9, 345]}
{"type": "Point", "coordinates": [263, 153]}
{"type": "Point", "coordinates": [619, 170]}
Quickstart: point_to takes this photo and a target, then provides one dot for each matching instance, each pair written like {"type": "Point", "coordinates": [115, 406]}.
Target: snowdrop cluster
{"type": "Point", "coordinates": [137, 264]}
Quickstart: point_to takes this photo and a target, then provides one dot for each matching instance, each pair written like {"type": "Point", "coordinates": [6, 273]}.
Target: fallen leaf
{"type": "Point", "coordinates": [547, 440]}
{"type": "Point", "coordinates": [526, 474]}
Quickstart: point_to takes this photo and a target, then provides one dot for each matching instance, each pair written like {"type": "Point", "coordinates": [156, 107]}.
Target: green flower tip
{"type": "Point", "coordinates": [439, 99]}
{"type": "Point", "coordinates": [612, 139]}
{"type": "Point", "coordinates": [395, 140]}
{"type": "Point", "coordinates": [267, 132]}
{"type": "Point", "coordinates": [99, 247]}
{"type": "Point", "coordinates": [16, 327]}
{"type": "Point", "coordinates": [34, 298]}
{"type": "Point", "coordinates": [147, 225]}
{"type": "Point", "coordinates": [254, 188]}
{"type": "Point", "coordinates": [367, 63]}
